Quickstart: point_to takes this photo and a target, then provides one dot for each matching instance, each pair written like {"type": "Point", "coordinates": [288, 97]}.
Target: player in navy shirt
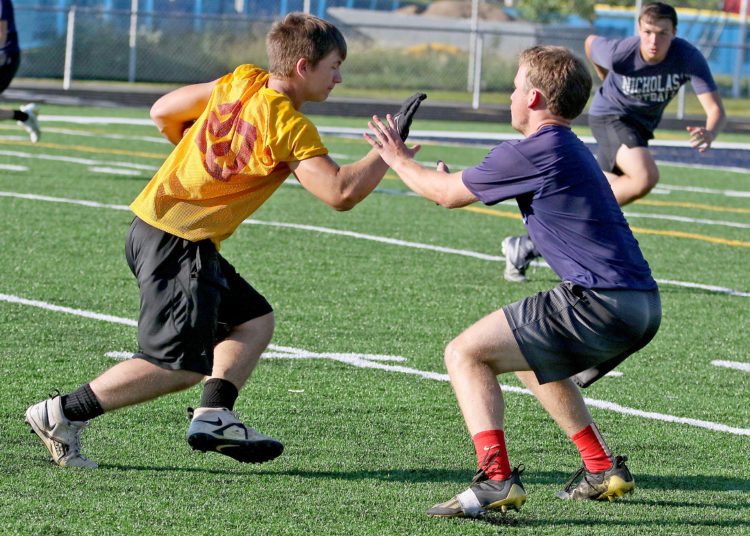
{"type": "Point", "coordinates": [10, 58]}
{"type": "Point", "coordinates": [606, 308]}
{"type": "Point", "coordinates": [641, 75]}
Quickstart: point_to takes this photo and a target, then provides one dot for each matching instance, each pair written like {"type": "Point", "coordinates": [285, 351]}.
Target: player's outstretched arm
{"type": "Point", "coordinates": [701, 138]}
{"type": "Point", "coordinates": [340, 187]}
{"type": "Point", "coordinates": [176, 110]}
{"type": "Point", "coordinates": [440, 186]}
{"type": "Point", "coordinates": [601, 72]}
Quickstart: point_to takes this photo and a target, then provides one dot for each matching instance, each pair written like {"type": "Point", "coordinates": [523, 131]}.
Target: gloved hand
{"type": "Point", "coordinates": [403, 118]}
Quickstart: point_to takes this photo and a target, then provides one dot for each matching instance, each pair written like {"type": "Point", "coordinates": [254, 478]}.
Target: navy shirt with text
{"type": "Point", "coordinates": [639, 90]}
{"type": "Point", "coordinates": [567, 206]}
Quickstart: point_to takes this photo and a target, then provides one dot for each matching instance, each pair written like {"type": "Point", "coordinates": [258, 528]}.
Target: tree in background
{"type": "Point", "coordinates": [554, 10]}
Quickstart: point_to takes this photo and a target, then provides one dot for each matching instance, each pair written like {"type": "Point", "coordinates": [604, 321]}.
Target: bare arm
{"type": "Point", "coordinates": [176, 110]}
{"type": "Point", "coordinates": [340, 187]}
{"type": "Point", "coordinates": [3, 32]}
{"type": "Point", "coordinates": [440, 186]}
{"type": "Point", "coordinates": [701, 138]}
{"type": "Point", "coordinates": [601, 72]}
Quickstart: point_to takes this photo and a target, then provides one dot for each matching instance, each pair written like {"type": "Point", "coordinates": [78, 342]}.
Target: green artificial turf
{"type": "Point", "coordinates": [370, 443]}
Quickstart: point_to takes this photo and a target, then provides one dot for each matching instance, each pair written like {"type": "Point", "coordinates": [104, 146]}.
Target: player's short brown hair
{"type": "Point", "coordinates": [561, 76]}
{"type": "Point", "coordinates": [299, 35]}
{"type": "Point", "coordinates": [654, 11]}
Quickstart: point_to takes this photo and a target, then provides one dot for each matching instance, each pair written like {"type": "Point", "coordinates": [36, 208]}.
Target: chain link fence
{"type": "Point", "coordinates": [385, 51]}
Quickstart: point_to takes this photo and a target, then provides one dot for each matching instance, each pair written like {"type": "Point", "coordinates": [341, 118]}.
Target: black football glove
{"type": "Point", "coordinates": [403, 118]}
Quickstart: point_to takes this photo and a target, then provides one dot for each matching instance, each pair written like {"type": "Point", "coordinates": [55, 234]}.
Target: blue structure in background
{"type": "Point", "coordinates": [716, 33]}
{"type": "Point", "coordinates": [261, 8]}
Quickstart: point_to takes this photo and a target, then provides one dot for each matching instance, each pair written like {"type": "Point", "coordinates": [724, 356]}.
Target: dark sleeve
{"type": "Point", "coordinates": [602, 51]}
{"type": "Point", "coordinates": [700, 74]}
{"type": "Point", "coordinates": [503, 174]}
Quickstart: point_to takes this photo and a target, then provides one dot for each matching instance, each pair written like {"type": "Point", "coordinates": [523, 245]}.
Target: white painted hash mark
{"type": "Point", "coordinates": [12, 167]}
{"type": "Point", "coordinates": [374, 361]}
{"type": "Point", "coordinates": [744, 367]}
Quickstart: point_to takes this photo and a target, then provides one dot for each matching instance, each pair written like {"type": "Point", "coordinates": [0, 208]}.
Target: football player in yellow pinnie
{"type": "Point", "coordinates": [237, 139]}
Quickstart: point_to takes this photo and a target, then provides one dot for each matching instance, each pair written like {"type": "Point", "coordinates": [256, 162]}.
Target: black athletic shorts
{"type": "Point", "coordinates": [573, 332]}
{"type": "Point", "coordinates": [191, 297]}
{"type": "Point", "coordinates": [8, 69]}
{"type": "Point", "coordinates": [611, 132]}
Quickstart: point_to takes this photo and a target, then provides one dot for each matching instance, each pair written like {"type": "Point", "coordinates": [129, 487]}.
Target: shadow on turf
{"type": "Point", "coordinates": [518, 519]}
{"type": "Point", "coordinates": [644, 482]}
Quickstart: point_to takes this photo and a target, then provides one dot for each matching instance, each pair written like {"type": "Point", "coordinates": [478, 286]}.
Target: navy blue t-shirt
{"type": "Point", "coordinates": [11, 41]}
{"type": "Point", "coordinates": [567, 206]}
{"type": "Point", "coordinates": [642, 91]}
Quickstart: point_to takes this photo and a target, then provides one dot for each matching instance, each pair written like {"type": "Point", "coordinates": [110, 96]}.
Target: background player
{"type": "Point", "coordinates": [641, 75]}
{"type": "Point", "coordinates": [10, 58]}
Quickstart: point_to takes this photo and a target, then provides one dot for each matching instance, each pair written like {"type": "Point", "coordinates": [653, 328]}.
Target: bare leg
{"type": "Point", "coordinates": [639, 174]}
{"type": "Point", "coordinates": [236, 356]}
{"type": "Point", "coordinates": [137, 380]}
{"type": "Point", "coordinates": [6, 114]}
{"type": "Point", "coordinates": [562, 400]}
{"type": "Point", "coordinates": [473, 360]}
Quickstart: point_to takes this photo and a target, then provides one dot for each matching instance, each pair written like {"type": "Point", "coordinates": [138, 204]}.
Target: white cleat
{"type": "Point", "coordinates": [218, 429]}
{"type": "Point", "coordinates": [61, 436]}
{"type": "Point", "coordinates": [31, 125]}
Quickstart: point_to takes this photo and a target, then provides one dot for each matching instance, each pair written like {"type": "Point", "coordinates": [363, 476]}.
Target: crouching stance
{"type": "Point", "coordinates": [237, 140]}
{"type": "Point", "coordinates": [606, 307]}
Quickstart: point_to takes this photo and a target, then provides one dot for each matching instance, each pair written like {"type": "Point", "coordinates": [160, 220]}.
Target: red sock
{"type": "Point", "coordinates": [594, 451]}
{"type": "Point", "coordinates": [487, 444]}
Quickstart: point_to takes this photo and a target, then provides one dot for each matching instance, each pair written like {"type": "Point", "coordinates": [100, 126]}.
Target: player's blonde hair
{"type": "Point", "coordinates": [299, 35]}
{"type": "Point", "coordinates": [560, 75]}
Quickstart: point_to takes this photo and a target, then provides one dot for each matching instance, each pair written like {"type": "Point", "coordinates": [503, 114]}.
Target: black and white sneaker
{"type": "Point", "coordinates": [31, 124]}
{"type": "Point", "coordinates": [519, 251]}
{"type": "Point", "coordinates": [605, 485]}
{"type": "Point", "coordinates": [219, 430]}
{"type": "Point", "coordinates": [61, 436]}
{"type": "Point", "coordinates": [484, 494]}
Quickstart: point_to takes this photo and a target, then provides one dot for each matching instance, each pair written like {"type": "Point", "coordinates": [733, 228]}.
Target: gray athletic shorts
{"type": "Point", "coordinates": [611, 132]}
{"type": "Point", "coordinates": [191, 297]}
{"type": "Point", "coordinates": [571, 331]}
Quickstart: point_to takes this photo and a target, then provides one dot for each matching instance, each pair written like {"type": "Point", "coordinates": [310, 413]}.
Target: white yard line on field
{"type": "Point", "coordinates": [628, 214]}
{"type": "Point", "coordinates": [684, 219]}
{"type": "Point", "coordinates": [491, 138]}
{"type": "Point", "coordinates": [377, 362]}
{"type": "Point", "coordinates": [340, 156]}
{"type": "Point", "coordinates": [77, 160]}
{"type": "Point", "coordinates": [373, 238]}
{"type": "Point", "coordinates": [744, 367]}
{"type": "Point", "coordinates": [701, 190]}
{"type": "Point", "coordinates": [124, 137]}
{"type": "Point", "coordinates": [13, 167]}
{"type": "Point", "coordinates": [91, 120]}
{"type": "Point", "coordinates": [115, 171]}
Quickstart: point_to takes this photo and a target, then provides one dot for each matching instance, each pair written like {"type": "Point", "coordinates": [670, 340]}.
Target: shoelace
{"type": "Point", "coordinates": [616, 462]}
{"type": "Point", "coordinates": [490, 459]}
{"type": "Point", "coordinates": [76, 450]}
{"type": "Point", "coordinates": [576, 475]}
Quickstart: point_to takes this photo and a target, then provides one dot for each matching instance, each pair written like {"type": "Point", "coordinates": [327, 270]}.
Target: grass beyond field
{"type": "Point", "coordinates": [354, 383]}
